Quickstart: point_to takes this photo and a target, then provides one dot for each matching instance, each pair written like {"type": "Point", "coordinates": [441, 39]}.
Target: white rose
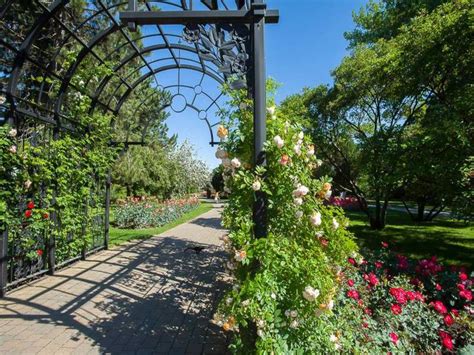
{"type": "Point", "coordinates": [235, 163]}
{"type": "Point", "coordinates": [310, 294]}
{"type": "Point", "coordinates": [3, 99]}
{"type": "Point", "coordinates": [27, 184]}
{"type": "Point", "coordinates": [315, 219]}
{"type": "Point", "coordinates": [299, 214]}
{"type": "Point", "coordinates": [319, 234]}
{"type": "Point", "coordinates": [331, 305]}
{"type": "Point", "coordinates": [333, 338]}
{"type": "Point", "coordinates": [260, 323]}
{"type": "Point", "coordinates": [337, 346]}
{"type": "Point", "coordinates": [271, 110]}
{"type": "Point", "coordinates": [12, 149]}
{"type": "Point", "coordinates": [310, 151]}
{"type": "Point", "coordinates": [273, 296]}
{"type": "Point", "coordinates": [294, 324]}
{"type": "Point", "coordinates": [229, 300]}
{"type": "Point", "coordinates": [256, 186]}
{"type": "Point", "coordinates": [13, 132]}
{"type": "Point", "coordinates": [298, 201]}
{"type": "Point", "coordinates": [297, 149]}
{"type": "Point", "coordinates": [260, 333]}
{"type": "Point", "coordinates": [287, 313]}
{"type": "Point", "coordinates": [279, 141]}
{"type": "Point", "coordinates": [335, 223]}
{"type": "Point", "coordinates": [293, 314]}
{"type": "Point", "coordinates": [328, 194]}
{"type": "Point", "coordinates": [245, 303]}
{"type": "Point", "coordinates": [300, 191]}
{"type": "Point", "coordinates": [301, 135]}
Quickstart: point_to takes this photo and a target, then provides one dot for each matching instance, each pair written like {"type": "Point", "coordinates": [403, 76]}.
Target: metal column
{"type": "Point", "coordinates": [259, 120]}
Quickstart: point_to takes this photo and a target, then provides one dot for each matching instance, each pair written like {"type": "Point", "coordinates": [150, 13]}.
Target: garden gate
{"type": "Point", "coordinates": [221, 40]}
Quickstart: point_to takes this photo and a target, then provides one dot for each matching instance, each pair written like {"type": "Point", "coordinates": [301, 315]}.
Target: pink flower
{"type": "Point", "coordinates": [394, 337]}
{"type": "Point", "coordinates": [438, 287]}
{"type": "Point", "coordinates": [448, 320]}
{"type": "Point", "coordinates": [378, 264]}
{"type": "Point", "coordinates": [350, 282]}
{"type": "Point", "coordinates": [353, 294]}
{"type": "Point", "coordinates": [466, 294]}
{"type": "Point", "coordinates": [351, 261]}
{"type": "Point", "coordinates": [439, 307]}
{"type": "Point", "coordinates": [285, 159]}
{"type": "Point", "coordinates": [396, 309]}
{"type": "Point", "coordinates": [371, 279]}
{"type": "Point", "coordinates": [368, 311]}
{"type": "Point", "coordinates": [463, 276]}
{"type": "Point", "coordinates": [384, 245]}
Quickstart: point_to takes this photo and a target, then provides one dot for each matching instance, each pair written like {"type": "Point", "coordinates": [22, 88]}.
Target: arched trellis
{"type": "Point", "coordinates": [219, 39]}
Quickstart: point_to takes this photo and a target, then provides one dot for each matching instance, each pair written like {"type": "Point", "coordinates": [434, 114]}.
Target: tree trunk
{"type": "Point", "coordinates": [377, 221]}
{"type": "Point", "coordinates": [421, 202]}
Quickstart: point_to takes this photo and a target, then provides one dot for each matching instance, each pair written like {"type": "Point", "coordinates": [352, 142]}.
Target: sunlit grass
{"type": "Point", "coordinates": [452, 241]}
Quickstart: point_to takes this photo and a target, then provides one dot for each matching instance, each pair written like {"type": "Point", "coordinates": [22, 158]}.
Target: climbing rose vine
{"type": "Point", "coordinates": [284, 285]}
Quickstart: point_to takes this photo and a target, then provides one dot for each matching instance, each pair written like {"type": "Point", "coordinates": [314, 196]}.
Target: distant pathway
{"type": "Point", "coordinates": [150, 296]}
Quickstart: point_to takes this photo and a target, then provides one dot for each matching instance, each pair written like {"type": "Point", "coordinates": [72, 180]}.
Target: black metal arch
{"type": "Point", "coordinates": [224, 39]}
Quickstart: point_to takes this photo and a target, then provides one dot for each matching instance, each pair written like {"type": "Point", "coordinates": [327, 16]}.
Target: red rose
{"type": "Point", "coordinates": [399, 294]}
{"type": "Point", "coordinates": [446, 340]}
{"type": "Point", "coordinates": [439, 307]}
{"type": "Point", "coordinates": [461, 287]}
{"type": "Point", "coordinates": [394, 337]}
{"type": "Point", "coordinates": [371, 279]}
{"type": "Point", "coordinates": [30, 205]}
{"type": "Point", "coordinates": [351, 261]}
{"type": "Point", "coordinates": [463, 276]}
{"type": "Point", "coordinates": [39, 252]}
{"type": "Point", "coordinates": [396, 309]}
{"type": "Point", "coordinates": [28, 213]}
{"type": "Point", "coordinates": [45, 215]}
{"type": "Point", "coordinates": [368, 311]}
{"type": "Point", "coordinates": [365, 324]}
{"type": "Point", "coordinates": [324, 242]}
{"type": "Point", "coordinates": [438, 287]}
{"type": "Point", "coordinates": [466, 294]}
{"type": "Point", "coordinates": [378, 264]}
{"type": "Point", "coordinates": [448, 320]}
{"type": "Point", "coordinates": [384, 244]}
{"type": "Point", "coordinates": [353, 294]}
{"type": "Point", "coordinates": [350, 282]}
{"type": "Point", "coordinates": [455, 312]}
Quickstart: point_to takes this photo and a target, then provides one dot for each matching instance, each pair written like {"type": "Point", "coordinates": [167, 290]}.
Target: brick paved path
{"type": "Point", "coordinates": [150, 296]}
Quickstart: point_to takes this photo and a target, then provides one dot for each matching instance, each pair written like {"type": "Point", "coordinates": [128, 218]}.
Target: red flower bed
{"type": "Point", "coordinates": [406, 304]}
{"type": "Point", "coordinates": [347, 203]}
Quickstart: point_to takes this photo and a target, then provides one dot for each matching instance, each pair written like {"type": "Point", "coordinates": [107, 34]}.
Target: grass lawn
{"type": "Point", "coordinates": [119, 236]}
{"type": "Point", "coordinates": [451, 241]}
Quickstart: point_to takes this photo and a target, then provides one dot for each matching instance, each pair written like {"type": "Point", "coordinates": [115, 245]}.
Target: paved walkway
{"type": "Point", "coordinates": [151, 296]}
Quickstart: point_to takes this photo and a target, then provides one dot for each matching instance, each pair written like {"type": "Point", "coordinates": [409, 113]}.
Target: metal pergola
{"type": "Point", "coordinates": [213, 41]}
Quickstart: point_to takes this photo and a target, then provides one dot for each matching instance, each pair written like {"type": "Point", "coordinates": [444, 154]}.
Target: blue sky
{"type": "Point", "coordinates": [300, 51]}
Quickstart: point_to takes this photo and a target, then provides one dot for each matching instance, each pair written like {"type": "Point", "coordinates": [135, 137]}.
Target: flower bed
{"type": "Point", "coordinates": [141, 212]}
{"type": "Point", "coordinates": [398, 304]}
{"type": "Point", "coordinates": [347, 203]}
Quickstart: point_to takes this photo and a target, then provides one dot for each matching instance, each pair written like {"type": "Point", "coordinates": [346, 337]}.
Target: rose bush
{"type": "Point", "coordinates": [403, 305]}
{"type": "Point", "coordinates": [285, 282]}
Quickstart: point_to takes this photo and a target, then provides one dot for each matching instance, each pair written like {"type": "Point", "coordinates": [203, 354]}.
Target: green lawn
{"type": "Point", "coordinates": [451, 241]}
{"type": "Point", "coordinates": [119, 236]}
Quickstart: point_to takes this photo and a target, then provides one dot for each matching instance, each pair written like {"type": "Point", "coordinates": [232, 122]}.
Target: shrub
{"type": "Point", "coordinates": [402, 305]}
{"type": "Point", "coordinates": [148, 212]}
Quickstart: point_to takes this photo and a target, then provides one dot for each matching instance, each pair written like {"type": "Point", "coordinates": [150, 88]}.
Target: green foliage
{"type": "Point", "coordinates": [296, 266]}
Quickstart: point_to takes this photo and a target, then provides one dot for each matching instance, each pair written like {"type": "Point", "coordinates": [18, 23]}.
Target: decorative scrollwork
{"type": "Point", "coordinates": [224, 46]}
